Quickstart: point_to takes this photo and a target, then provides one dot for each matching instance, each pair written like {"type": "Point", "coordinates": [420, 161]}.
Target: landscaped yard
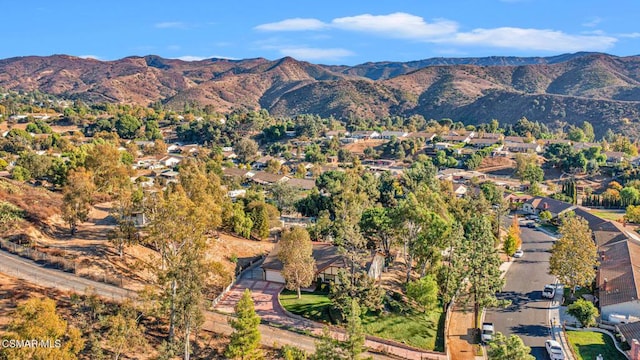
{"type": "Point", "coordinates": [577, 295]}
{"type": "Point", "coordinates": [413, 328]}
{"type": "Point", "coordinates": [609, 214]}
{"type": "Point", "coordinates": [587, 345]}
{"type": "Point", "coordinates": [314, 306]}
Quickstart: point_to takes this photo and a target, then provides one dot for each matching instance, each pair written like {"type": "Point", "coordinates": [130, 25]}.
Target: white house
{"type": "Point", "coordinates": [397, 134]}
{"type": "Point", "coordinates": [171, 161]}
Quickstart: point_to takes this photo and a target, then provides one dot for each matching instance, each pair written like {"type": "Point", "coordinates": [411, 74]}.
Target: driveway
{"type": "Point", "coordinates": [265, 298]}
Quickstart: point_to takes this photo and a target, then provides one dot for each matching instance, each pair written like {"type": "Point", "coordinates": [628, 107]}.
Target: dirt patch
{"type": "Point", "coordinates": [358, 147]}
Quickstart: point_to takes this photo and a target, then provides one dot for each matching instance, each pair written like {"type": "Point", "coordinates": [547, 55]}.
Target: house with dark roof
{"type": "Point", "coordinates": [538, 204]}
{"type": "Point", "coordinates": [265, 178]}
{"type": "Point", "coordinates": [618, 279]}
{"type": "Point", "coordinates": [328, 262]}
{"type": "Point", "coordinates": [302, 184]}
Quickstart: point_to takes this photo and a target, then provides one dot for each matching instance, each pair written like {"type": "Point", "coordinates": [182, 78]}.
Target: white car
{"type": "Point", "coordinates": [518, 253]}
{"type": "Point", "coordinates": [487, 332]}
{"type": "Point", "coordinates": [554, 349]}
{"type": "Point", "coordinates": [549, 291]}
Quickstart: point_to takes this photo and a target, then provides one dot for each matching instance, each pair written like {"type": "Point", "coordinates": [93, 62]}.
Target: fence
{"type": "Point", "coordinates": [59, 262]}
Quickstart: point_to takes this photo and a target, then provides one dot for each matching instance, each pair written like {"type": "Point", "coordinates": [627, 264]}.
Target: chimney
{"type": "Point", "coordinates": [635, 349]}
{"type": "Point", "coordinates": [545, 206]}
{"type": "Point", "coordinates": [604, 284]}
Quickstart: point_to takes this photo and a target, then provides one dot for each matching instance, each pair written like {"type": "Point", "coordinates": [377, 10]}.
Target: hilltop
{"type": "Point", "coordinates": [571, 88]}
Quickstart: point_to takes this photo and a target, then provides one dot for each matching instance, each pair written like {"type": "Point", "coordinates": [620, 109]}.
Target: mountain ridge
{"type": "Point", "coordinates": [569, 88]}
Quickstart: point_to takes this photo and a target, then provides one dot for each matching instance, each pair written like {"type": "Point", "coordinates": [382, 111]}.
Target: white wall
{"type": "Point", "coordinates": [631, 308]}
{"type": "Point", "coordinates": [275, 276]}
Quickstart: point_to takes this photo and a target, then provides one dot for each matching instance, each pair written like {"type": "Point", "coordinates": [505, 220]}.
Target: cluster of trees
{"type": "Point", "coordinates": [250, 216]}
{"type": "Point", "coordinates": [565, 157]}
{"type": "Point", "coordinates": [615, 196]}
{"type": "Point", "coordinates": [417, 213]}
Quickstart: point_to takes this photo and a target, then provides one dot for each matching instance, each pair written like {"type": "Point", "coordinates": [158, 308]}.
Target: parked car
{"type": "Point", "coordinates": [487, 332]}
{"type": "Point", "coordinates": [549, 291]}
{"type": "Point", "coordinates": [554, 349]}
{"type": "Point", "coordinates": [531, 224]}
{"type": "Point", "coordinates": [518, 253]}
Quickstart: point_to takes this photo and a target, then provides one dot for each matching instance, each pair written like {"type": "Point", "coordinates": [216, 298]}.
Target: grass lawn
{"type": "Point", "coordinates": [609, 214]}
{"type": "Point", "coordinates": [587, 345]}
{"type": "Point", "coordinates": [421, 330]}
{"type": "Point", "coordinates": [314, 306]}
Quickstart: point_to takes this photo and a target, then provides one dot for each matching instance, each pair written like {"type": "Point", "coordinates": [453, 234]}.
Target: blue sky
{"type": "Point", "coordinates": [328, 31]}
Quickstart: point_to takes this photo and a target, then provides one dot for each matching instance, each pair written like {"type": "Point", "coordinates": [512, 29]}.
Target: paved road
{"type": "Point", "coordinates": [528, 315]}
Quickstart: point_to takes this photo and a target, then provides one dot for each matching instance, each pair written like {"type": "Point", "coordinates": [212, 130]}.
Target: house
{"type": "Point", "coordinates": [522, 147]}
{"type": "Point", "coordinates": [442, 145]}
{"type": "Point", "coordinates": [365, 135]}
{"type": "Point", "coordinates": [459, 190]}
{"type": "Point", "coordinates": [262, 162]}
{"type": "Point", "coordinates": [483, 143]}
{"type": "Point", "coordinates": [514, 139]}
{"type": "Point", "coordinates": [390, 134]}
{"type": "Point", "coordinates": [138, 218]}
{"type": "Point", "coordinates": [335, 133]}
{"type": "Point", "coordinates": [426, 136]}
{"type": "Point", "coordinates": [614, 157]}
{"type": "Point", "coordinates": [456, 138]}
{"type": "Point", "coordinates": [265, 178]}
{"type": "Point", "coordinates": [235, 173]}
{"type": "Point", "coordinates": [171, 160]}
{"type": "Point", "coordinates": [170, 176]}
{"type": "Point", "coordinates": [585, 146]}
{"type": "Point", "coordinates": [328, 262]}
{"type": "Point", "coordinates": [302, 184]}
{"type": "Point", "coordinates": [618, 279]}
{"type": "Point", "coordinates": [233, 194]}
{"type": "Point", "coordinates": [495, 136]}
{"type": "Point", "coordinates": [538, 204]}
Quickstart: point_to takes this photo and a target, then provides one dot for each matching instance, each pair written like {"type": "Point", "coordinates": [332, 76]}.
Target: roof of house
{"type": "Point", "coordinates": [552, 205]}
{"type": "Point", "coordinates": [518, 139]}
{"type": "Point", "coordinates": [235, 172]}
{"type": "Point", "coordinates": [394, 133]}
{"type": "Point", "coordinates": [518, 145]}
{"type": "Point", "coordinates": [304, 184]}
{"type": "Point", "coordinates": [489, 135]}
{"type": "Point", "coordinates": [455, 137]}
{"type": "Point", "coordinates": [324, 254]}
{"type": "Point", "coordinates": [619, 273]}
{"type": "Point", "coordinates": [482, 141]}
{"type": "Point", "coordinates": [630, 331]}
{"type": "Point", "coordinates": [263, 177]}
{"type": "Point", "coordinates": [615, 155]}
{"type": "Point", "coordinates": [422, 134]}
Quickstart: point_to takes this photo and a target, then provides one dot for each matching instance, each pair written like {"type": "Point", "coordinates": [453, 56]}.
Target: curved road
{"type": "Point", "coordinates": [528, 315]}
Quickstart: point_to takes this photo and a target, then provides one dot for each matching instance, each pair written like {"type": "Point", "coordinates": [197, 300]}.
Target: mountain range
{"type": "Point", "coordinates": [570, 88]}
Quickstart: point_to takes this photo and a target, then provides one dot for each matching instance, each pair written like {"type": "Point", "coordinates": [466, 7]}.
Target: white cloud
{"type": "Point", "coordinates": [592, 22]}
{"type": "Point", "coordinates": [308, 53]}
{"type": "Point", "coordinates": [446, 32]}
{"type": "Point", "coordinates": [532, 39]}
{"type": "Point", "coordinates": [295, 24]}
{"type": "Point", "coordinates": [170, 25]}
{"type": "Point", "coordinates": [174, 47]}
{"type": "Point", "coordinates": [633, 35]}
{"type": "Point", "coordinates": [398, 25]}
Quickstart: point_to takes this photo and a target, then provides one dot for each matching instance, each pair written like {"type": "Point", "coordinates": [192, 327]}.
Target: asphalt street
{"type": "Point", "coordinates": [528, 314]}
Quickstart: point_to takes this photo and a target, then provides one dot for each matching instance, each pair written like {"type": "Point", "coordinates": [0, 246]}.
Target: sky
{"type": "Point", "coordinates": [325, 32]}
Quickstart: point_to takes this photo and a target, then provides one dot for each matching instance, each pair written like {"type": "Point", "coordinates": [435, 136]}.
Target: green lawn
{"type": "Point", "coordinates": [587, 345]}
{"type": "Point", "coordinates": [421, 330]}
{"type": "Point", "coordinates": [314, 306]}
{"type": "Point", "coordinates": [609, 214]}
{"type": "Point", "coordinates": [417, 329]}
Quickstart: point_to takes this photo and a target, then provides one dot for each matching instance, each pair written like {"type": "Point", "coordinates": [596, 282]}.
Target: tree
{"type": "Point", "coordinates": [512, 348]}
{"type": "Point", "coordinates": [37, 318]}
{"type": "Point", "coordinates": [358, 286]}
{"type": "Point", "coordinates": [245, 149]}
{"type": "Point", "coordinates": [377, 224]}
{"type": "Point", "coordinates": [546, 215]}
{"type": "Point", "coordinates": [19, 173]}
{"type": "Point", "coordinates": [629, 196]}
{"type": "Point", "coordinates": [245, 339]}
{"type": "Point", "coordinates": [124, 331]}
{"type": "Point", "coordinates": [125, 232]}
{"type": "Point", "coordinates": [299, 266]}
{"type": "Point", "coordinates": [37, 165]}
{"type": "Point", "coordinates": [76, 199]}
{"type": "Point", "coordinates": [633, 214]}
{"type": "Point", "coordinates": [177, 230]}
{"type": "Point", "coordinates": [584, 311]}
{"type": "Point", "coordinates": [328, 348]}
{"type": "Point", "coordinates": [481, 263]}
{"type": "Point", "coordinates": [513, 240]}
{"type": "Point", "coordinates": [424, 291]}
{"type": "Point", "coordinates": [533, 173]}
{"type": "Point", "coordinates": [574, 256]}
{"type": "Point", "coordinates": [524, 161]}
{"type": "Point", "coordinates": [355, 333]}
{"type": "Point", "coordinates": [127, 126]}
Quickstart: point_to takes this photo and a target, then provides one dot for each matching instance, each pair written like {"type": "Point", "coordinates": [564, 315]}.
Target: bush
{"type": "Point", "coordinates": [584, 311]}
